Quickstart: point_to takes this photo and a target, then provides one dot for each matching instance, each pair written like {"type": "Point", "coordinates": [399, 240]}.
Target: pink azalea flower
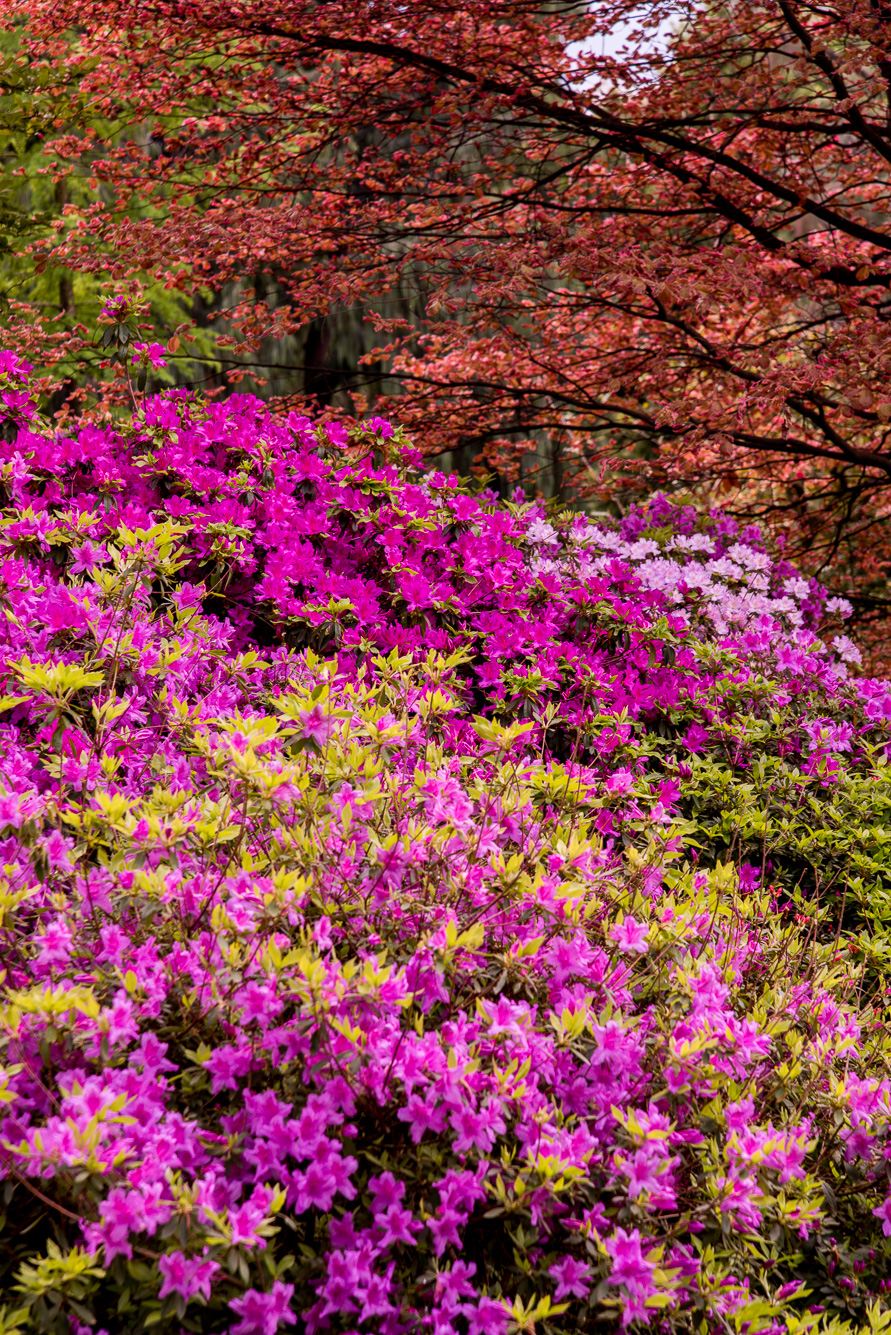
{"type": "Point", "coordinates": [381, 427]}
{"type": "Point", "coordinates": [572, 1278]}
{"type": "Point", "coordinates": [454, 1284]}
{"type": "Point", "coordinates": [337, 434]}
{"type": "Point", "coordinates": [883, 1213]}
{"type": "Point", "coordinates": [630, 936]}
{"type": "Point", "coordinates": [487, 1317]}
{"type": "Point", "coordinates": [189, 1276]}
{"type": "Point", "coordinates": [87, 557]}
{"type": "Point", "coordinates": [149, 354]}
{"type": "Point", "coordinates": [264, 1313]}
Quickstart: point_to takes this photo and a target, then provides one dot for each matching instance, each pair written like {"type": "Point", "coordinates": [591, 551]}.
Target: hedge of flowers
{"type": "Point", "coordinates": [421, 912]}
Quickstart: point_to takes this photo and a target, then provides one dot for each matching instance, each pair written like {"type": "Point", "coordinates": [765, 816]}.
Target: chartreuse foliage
{"type": "Point", "coordinates": [419, 913]}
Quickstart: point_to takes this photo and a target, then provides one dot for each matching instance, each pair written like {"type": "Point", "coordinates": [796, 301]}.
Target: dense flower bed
{"type": "Point", "coordinates": [421, 913]}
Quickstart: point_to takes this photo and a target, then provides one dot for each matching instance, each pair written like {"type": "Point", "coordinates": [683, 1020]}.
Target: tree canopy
{"type": "Point", "coordinates": [586, 267]}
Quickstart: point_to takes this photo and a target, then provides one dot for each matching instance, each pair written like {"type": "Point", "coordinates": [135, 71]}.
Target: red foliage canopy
{"type": "Point", "coordinates": [669, 260]}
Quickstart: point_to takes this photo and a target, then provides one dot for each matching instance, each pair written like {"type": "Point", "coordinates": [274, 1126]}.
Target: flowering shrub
{"type": "Point", "coordinates": [420, 913]}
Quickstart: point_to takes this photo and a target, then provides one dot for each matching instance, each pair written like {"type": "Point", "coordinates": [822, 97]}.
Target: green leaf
{"type": "Point", "coordinates": [11, 701]}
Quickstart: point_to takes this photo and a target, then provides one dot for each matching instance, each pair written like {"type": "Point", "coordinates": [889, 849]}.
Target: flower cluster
{"type": "Point", "coordinates": [420, 912]}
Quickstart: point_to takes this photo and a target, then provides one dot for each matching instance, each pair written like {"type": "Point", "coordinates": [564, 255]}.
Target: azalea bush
{"type": "Point", "coordinates": [422, 912]}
